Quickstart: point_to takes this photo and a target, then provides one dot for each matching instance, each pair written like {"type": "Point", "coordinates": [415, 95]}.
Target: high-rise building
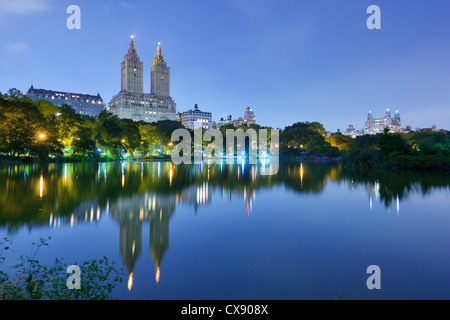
{"type": "Point", "coordinates": [131, 102]}
{"type": "Point", "coordinates": [160, 75]}
{"type": "Point", "coordinates": [84, 104]}
{"type": "Point", "coordinates": [132, 71]}
{"type": "Point", "coordinates": [374, 126]}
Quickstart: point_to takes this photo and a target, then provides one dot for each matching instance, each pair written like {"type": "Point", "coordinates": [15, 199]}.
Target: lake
{"type": "Point", "coordinates": [228, 232]}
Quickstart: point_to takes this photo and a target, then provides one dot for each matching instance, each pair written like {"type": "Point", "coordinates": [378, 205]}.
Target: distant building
{"type": "Point", "coordinates": [248, 119]}
{"type": "Point", "coordinates": [352, 132]}
{"type": "Point", "coordinates": [223, 121]}
{"type": "Point", "coordinates": [249, 116]}
{"type": "Point", "coordinates": [131, 102]}
{"type": "Point", "coordinates": [84, 104]}
{"type": "Point", "coordinates": [377, 125]}
{"type": "Point", "coordinates": [194, 119]}
{"type": "Point", "coordinates": [239, 122]}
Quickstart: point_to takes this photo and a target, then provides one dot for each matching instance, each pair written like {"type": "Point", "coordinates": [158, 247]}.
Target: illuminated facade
{"type": "Point", "coordinates": [249, 115]}
{"type": "Point", "coordinates": [131, 102]}
{"type": "Point", "coordinates": [84, 104]}
{"type": "Point", "coordinates": [132, 71]}
{"type": "Point", "coordinates": [194, 119]}
{"type": "Point", "coordinates": [374, 126]}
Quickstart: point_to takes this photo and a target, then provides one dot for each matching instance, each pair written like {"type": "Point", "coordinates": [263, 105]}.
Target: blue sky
{"type": "Point", "coordinates": [290, 60]}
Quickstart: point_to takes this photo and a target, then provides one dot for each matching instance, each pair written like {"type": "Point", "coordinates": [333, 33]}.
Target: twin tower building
{"type": "Point", "coordinates": [131, 102]}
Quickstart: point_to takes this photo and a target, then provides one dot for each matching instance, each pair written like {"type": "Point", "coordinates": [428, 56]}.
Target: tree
{"type": "Point", "coordinates": [150, 136]}
{"type": "Point", "coordinates": [130, 135]}
{"type": "Point", "coordinates": [109, 135]}
{"type": "Point", "coordinates": [390, 142]}
{"type": "Point", "coordinates": [83, 145]}
{"type": "Point", "coordinates": [340, 141]}
{"type": "Point", "coordinates": [22, 125]}
{"type": "Point", "coordinates": [166, 127]}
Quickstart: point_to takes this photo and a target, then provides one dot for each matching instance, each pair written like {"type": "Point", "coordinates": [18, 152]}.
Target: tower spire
{"type": "Point", "coordinates": [158, 52]}
{"type": "Point", "coordinates": [132, 70]}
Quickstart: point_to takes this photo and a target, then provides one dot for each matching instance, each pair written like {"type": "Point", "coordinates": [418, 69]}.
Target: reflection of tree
{"type": "Point", "coordinates": [392, 185]}
{"type": "Point", "coordinates": [30, 194]}
{"type": "Point", "coordinates": [134, 192]}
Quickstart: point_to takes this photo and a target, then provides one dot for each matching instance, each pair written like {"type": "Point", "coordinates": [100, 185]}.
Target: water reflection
{"type": "Point", "coordinates": [132, 193]}
{"type": "Point", "coordinates": [30, 194]}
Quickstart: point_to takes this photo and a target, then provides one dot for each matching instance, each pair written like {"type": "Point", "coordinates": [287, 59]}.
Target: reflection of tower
{"type": "Point", "coordinates": [130, 245]}
{"type": "Point", "coordinates": [126, 210]}
{"type": "Point", "coordinates": [159, 230]}
{"type": "Point", "coordinates": [131, 212]}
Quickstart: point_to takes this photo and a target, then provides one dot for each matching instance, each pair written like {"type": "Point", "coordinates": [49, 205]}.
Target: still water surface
{"type": "Point", "coordinates": [228, 232]}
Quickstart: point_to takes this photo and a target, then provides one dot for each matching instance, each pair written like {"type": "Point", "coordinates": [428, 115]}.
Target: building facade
{"type": "Point", "coordinates": [132, 71]}
{"type": "Point", "coordinates": [249, 116]}
{"type": "Point", "coordinates": [131, 102]}
{"type": "Point", "coordinates": [84, 104]}
{"type": "Point", "coordinates": [352, 132]}
{"type": "Point", "coordinates": [194, 119]}
{"type": "Point", "coordinates": [377, 125]}
{"type": "Point", "coordinates": [160, 75]}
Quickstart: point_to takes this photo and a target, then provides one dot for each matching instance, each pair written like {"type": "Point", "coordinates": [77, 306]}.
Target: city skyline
{"type": "Point", "coordinates": [314, 61]}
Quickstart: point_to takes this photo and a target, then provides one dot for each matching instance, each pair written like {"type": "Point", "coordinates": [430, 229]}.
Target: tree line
{"type": "Point", "coordinates": [42, 130]}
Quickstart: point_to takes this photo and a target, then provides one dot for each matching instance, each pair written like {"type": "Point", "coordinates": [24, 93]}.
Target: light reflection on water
{"type": "Point", "coordinates": [307, 232]}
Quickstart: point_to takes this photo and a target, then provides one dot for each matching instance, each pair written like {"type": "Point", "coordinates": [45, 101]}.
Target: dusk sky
{"type": "Point", "coordinates": [291, 61]}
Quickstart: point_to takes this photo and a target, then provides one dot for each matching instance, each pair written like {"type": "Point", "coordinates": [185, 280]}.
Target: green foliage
{"type": "Point", "coordinates": [305, 136]}
{"type": "Point", "coordinates": [35, 281]}
{"type": "Point", "coordinates": [41, 129]}
{"type": "Point", "coordinates": [340, 141]}
{"type": "Point", "coordinates": [21, 125]}
{"type": "Point", "coordinates": [392, 142]}
{"type": "Point", "coordinates": [422, 150]}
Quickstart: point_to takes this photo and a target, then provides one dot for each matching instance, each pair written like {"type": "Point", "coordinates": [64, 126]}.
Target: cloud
{"type": "Point", "coordinates": [11, 7]}
{"type": "Point", "coordinates": [127, 5]}
{"type": "Point", "coordinates": [16, 47]}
